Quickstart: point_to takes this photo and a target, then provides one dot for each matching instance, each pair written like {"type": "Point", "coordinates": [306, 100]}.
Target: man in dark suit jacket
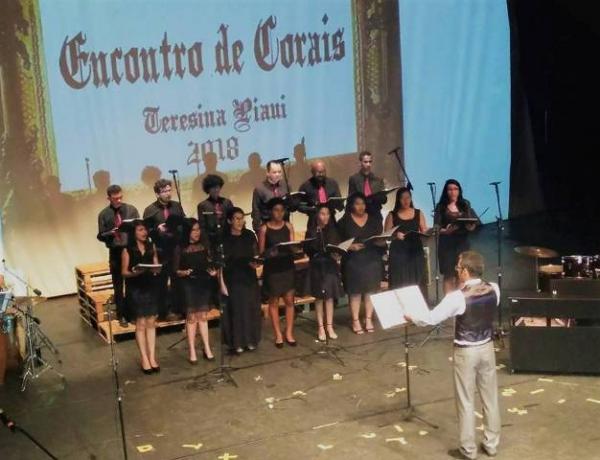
{"type": "Point", "coordinates": [364, 181]}
{"type": "Point", "coordinates": [109, 220]}
{"type": "Point", "coordinates": [318, 189]}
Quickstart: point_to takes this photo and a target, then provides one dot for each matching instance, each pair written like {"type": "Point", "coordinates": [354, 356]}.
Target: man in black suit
{"type": "Point", "coordinates": [109, 220]}
{"type": "Point", "coordinates": [318, 189]}
{"type": "Point", "coordinates": [364, 181]}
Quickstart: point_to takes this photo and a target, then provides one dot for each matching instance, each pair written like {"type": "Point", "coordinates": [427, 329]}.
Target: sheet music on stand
{"type": "Point", "coordinates": [392, 306]}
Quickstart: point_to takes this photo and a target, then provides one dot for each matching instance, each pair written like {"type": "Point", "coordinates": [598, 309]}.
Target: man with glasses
{"type": "Point", "coordinates": [474, 306]}
{"type": "Point", "coordinates": [165, 238]}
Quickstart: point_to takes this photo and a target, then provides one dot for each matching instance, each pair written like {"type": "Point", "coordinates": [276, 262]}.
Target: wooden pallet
{"type": "Point", "coordinates": [93, 277]}
{"type": "Point", "coordinates": [91, 306]}
{"type": "Point", "coordinates": [121, 332]}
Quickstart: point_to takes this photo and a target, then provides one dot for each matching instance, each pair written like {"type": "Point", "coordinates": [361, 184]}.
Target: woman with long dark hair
{"type": "Point", "coordinates": [407, 257]}
{"type": "Point", "coordinates": [242, 322]}
{"type": "Point", "coordinates": [323, 270]}
{"type": "Point", "coordinates": [454, 235]}
{"type": "Point", "coordinates": [279, 270]}
{"type": "Point", "coordinates": [195, 274]}
{"type": "Point", "coordinates": [362, 267]}
{"type": "Point", "coordinates": [141, 293]}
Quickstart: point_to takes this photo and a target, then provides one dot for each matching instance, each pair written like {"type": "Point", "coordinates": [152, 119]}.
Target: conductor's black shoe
{"type": "Point", "coordinates": [123, 322]}
{"type": "Point", "coordinates": [486, 451]}
{"type": "Point", "coordinates": [458, 454]}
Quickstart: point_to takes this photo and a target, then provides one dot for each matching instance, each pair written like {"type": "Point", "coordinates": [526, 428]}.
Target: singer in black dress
{"type": "Point", "coordinates": [324, 273]}
{"type": "Point", "coordinates": [195, 276]}
{"type": "Point", "coordinates": [454, 236]}
{"type": "Point", "coordinates": [242, 318]}
{"type": "Point", "coordinates": [407, 257]}
{"type": "Point", "coordinates": [362, 267]}
{"type": "Point", "coordinates": [141, 293]}
{"type": "Point", "coordinates": [279, 271]}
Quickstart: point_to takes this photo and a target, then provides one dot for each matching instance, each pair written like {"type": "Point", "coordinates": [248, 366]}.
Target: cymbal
{"type": "Point", "coordinates": [34, 300]}
{"type": "Point", "coordinates": [536, 251]}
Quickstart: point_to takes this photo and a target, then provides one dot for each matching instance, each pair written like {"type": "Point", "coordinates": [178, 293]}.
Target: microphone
{"type": "Point", "coordinates": [8, 423]}
{"type": "Point", "coordinates": [393, 150]}
{"type": "Point", "coordinates": [430, 183]}
{"type": "Point", "coordinates": [172, 171]}
{"type": "Point", "coordinates": [37, 292]}
{"type": "Point", "coordinates": [281, 160]}
{"type": "Point", "coordinates": [495, 183]}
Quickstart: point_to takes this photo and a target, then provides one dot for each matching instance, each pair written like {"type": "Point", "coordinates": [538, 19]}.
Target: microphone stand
{"type": "Point", "coordinates": [174, 173]}
{"type": "Point", "coordinates": [110, 305]}
{"type": "Point", "coordinates": [13, 427]}
{"type": "Point", "coordinates": [396, 153]}
{"type": "Point", "coordinates": [499, 332]}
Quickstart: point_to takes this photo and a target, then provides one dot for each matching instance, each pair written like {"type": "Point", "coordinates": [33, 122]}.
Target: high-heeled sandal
{"type": "Point", "coordinates": [332, 335]}
{"type": "Point", "coordinates": [321, 337]}
{"type": "Point", "coordinates": [369, 329]}
{"type": "Point", "coordinates": [357, 331]}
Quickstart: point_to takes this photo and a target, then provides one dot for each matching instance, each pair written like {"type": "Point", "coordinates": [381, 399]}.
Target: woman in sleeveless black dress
{"type": "Point", "coordinates": [362, 267]}
{"type": "Point", "coordinates": [407, 257]}
{"type": "Point", "coordinates": [242, 322]}
{"type": "Point", "coordinates": [195, 277]}
{"type": "Point", "coordinates": [141, 293]}
{"type": "Point", "coordinates": [324, 273]}
{"type": "Point", "coordinates": [454, 236]}
{"type": "Point", "coordinates": [279, 271]}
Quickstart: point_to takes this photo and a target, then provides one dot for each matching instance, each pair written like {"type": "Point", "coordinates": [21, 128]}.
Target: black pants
{"type": "Point", "coordinates": [114, 263]}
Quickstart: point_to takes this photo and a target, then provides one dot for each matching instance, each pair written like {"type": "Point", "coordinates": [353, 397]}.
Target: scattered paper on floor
{"type": "Point", "coordinates": [337, 376]}
{"type": "Point", "coordinates": [368, 435]}
{"type": "Point", "coordinates": [193, 446]}
{"type": "Point", "coordinates": [400, 440]}
{"type": "Point", "coordinates": [423, 433]}
{"type": "Point", "coordinates": [542, 379]}
{"type": "Point", "coordinates": [299, 393]}
{"type": "Point", "coordinates": [325, 446]}
{"type": "Point", "coordinates": [535, 392]}
{"type": "Point", "coordinates": [399, 429]}
{"type": "Point", "coordinates": [258, 378]}
{"type": "Point", "coordinates": [145, 448]}
{"type": "Point", "coordinates": [561, 401]}
{"type": "Point", "coordinates": [318, 427]}
{"type": "Point", "coordinates": [595, 401]}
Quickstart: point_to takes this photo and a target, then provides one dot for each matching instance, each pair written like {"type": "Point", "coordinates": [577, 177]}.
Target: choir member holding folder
{"type": "Point", "coordinates": [456, 219]}
{"type": "Point", "coordinates": [407, 257]}
{"type": "Point", "coordinates": [194, 272]}
{"type": "Point", "coordinates": [242, 322]}
{"type": "Point", "coordinates": [324, 277]}
{"type": "Point", "coordinates": [140, 268]}
{"type": "Point", "coordinates": [362, 267]}
{"type": "Point", "coordinates": [279, 269]}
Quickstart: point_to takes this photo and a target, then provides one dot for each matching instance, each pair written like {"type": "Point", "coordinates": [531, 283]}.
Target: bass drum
{"type": "Point", "coordinates": [547, 273]}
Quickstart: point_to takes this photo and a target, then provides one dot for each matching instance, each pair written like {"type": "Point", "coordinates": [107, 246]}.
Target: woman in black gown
{"type": "Point", "coordinates": [454, 236]}
{"type": "Point", "coordinates": [279, 271]}
{"type": "Point", "coordinates": [192, 266]}
{"type": "Point", "coordinates": [242, 320]}
{"type": "Point", "coordinates": [407, 257]}
{"type": "Point", "coordinates": [141, 294]}
{"type": "Point", "coordinates": [362, 267]}
{"type": "Point", "coordinates": [324, 274]}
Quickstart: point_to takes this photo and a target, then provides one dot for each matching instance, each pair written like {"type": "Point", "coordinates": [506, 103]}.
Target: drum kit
{"type": "Point", "coordinates": [575, 266]}
{"type": "Point", "coordinates": [25, 334]}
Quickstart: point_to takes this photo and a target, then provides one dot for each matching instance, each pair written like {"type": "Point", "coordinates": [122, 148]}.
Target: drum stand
{"type": "Point", "coordinates": [36, 340]}
{"type": "Point", "coordinates": [499, 332]}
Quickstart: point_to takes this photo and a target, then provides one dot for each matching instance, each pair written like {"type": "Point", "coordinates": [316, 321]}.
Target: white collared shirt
{"type": "Point", "coordinates": [454, 304]}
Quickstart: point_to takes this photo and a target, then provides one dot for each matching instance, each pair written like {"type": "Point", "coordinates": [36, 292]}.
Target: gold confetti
{"type": "Point", "coordinates": [325, 446]}
{"type": "Point", "coordinates": [535, 392]}
{"type": "Point", "coordinates": [477, 414]}
{"type": "Point", "coordinates": [270, 400]}
{"type": "Point", "coordinates": [318, 427]}
{"type": "Point", "coordinates": [400, 390]}
{"type": "Point", "coordinates": [595, 401]}
{"type": "Point", "coordinates": [337, 377]}
{"type": "Point", "coordinates": [299, 393]}
{"type": "Point", "coordinates": [145, 448]}
{"type": "Point", "coordinates": [390, 394]}
{"type": "Point", "coordinates": [410, 368]}
{"type": "Point", "coordinates": [258, 378]}
{"type": "Point", "coordinates": [368, 435]}
{"type": "Point", "coordinates": [270, 406]}
{"type": "Point", "coordinates": [561, 401]}
{"type": "Point", "coordinates": [193, 446]}
{"type": "Point", "coordinates": [227, 456]}
{"type": "Point", "coordinates": [399, 429]}
{"type": "Point", "coordinates": [542, 379]}
{"type": "Point", "coordinates": [402, 364]}
{"type": "Point", "coordinates": [423, 433]}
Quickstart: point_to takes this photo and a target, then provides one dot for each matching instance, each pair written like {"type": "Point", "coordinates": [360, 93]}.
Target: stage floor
{"type": "Point", "coordinates": [311, 415]}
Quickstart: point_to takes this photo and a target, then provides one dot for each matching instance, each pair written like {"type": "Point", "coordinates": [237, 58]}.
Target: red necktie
{"type": "Point", "coordinates": [322, 195]}
{"type": "Point", "coordinates": [367, 187]}
{"type": "Point", "coordinates": [166, 213]}
{"type": "Point", "coordinates": [275, 190]}
{"type": "Point", "coordinates": [118, 222]}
